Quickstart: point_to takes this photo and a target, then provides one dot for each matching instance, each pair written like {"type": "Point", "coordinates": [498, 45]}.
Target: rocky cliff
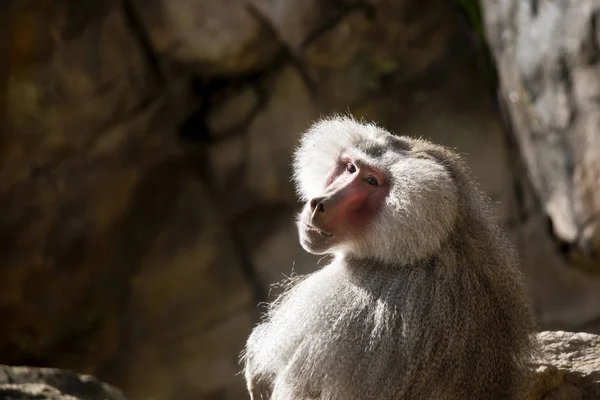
{"type": "Point", "coordinates": [145, 199]}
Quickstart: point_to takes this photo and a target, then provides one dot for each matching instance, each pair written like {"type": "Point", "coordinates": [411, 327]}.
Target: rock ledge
{"type": "Point", "coordinates": [570, 366]}
{"type": "Point", "coordinates": [26, 383]}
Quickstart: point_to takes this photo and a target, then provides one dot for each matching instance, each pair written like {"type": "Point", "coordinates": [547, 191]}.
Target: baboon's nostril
{"type": "Point", "coordinates": [314, 203]}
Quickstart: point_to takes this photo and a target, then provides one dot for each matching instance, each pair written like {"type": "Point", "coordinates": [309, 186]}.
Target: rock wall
{"type": "Point", "coordinates": [145, 199]}
{"type": "Point", "coordinates": [547, 58]}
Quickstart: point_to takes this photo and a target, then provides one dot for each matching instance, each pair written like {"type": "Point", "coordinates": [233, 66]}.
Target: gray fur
{"type": "Point", "coordinates": [428, 303]}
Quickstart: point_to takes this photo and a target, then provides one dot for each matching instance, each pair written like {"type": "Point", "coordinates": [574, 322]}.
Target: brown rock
{"type": "Point", "coordinates": [272, 238]}
{"type": "Point", "coordinates": [274, 132]}
{"type": "Point", "coordinates": [296, 23]}
{"type": "Point", "coordinates": [255, 167]}
{"type": "Point", "coordinates": [373, 47]}
{"type": "Point", "coordinates": [70, 79]}
{"type": "Point", "coordinates": [232, 116]}
{"type": "Point", "coordinates": [64, 270]}
{"type": "Point", "coordinates": [208, 37]}
{"type": "Point", "coordinates": [190, 307]}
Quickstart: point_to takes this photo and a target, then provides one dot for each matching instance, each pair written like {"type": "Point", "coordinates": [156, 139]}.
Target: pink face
{"type": "Point", "coordinates": [353, 195]}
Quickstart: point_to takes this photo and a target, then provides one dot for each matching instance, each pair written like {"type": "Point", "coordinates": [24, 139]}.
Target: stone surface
{"type": "Point", "coordinates": [76, 69]}
{"type": "Point", "coordinates": [65, 272]}
{"type": "Point", "coordinates": [273, 134]}
{"type": "Point", "coordinates": [146, 206]}
{"type": "Point", "coordinates": [27, 383]}
{"type": "Point", "coordinates": [548, 57]}
{"type": "Point", "coordinates": [297, 23]}
{"type": "Point", "coordinates": [255, 164]}
{"type": "Point", "coordinates": [234, 113]}
{"type": "Point", "coordinates": [569, 366]}
{"type": "Point", "coordinates": [189, 307]}
{"type": "Point", "coordinates": [223, 37]}
{"type": "Point", "coordinates": [275, 249]}
{"type": "Point", "coordinates": [374, 47]}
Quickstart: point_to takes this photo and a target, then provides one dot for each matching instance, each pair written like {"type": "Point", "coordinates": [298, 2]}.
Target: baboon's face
{"type": "Point", "coordinates": [354, 194]}
{"type": "Point", "coordinates": [372, 195]}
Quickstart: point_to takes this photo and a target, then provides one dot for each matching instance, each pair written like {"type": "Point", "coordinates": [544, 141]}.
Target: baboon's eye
{"type": "Point", "coordinates": [371, 181]}
{"type": "Point", "coordinates": [350, 168]}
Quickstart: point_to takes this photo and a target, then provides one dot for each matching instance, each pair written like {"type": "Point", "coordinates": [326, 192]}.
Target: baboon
{"type": "Point", "coordinates": [423, 297]}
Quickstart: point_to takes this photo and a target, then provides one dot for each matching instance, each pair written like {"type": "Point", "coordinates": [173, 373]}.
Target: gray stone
{"type": "Point", "coordinates": [569, 366]}
{"type": "Point", "coordinates": [27, 383]}
{"type": "Point", "coordinates": [548, 57]}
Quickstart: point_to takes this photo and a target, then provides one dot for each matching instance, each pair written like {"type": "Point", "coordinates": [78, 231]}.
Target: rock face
{"type": "Point", "coordinates": [26, 383]}
{"type": "Point", "coordinates": [547, 56]}
{"type": "Point", "coordinates": [570, 366]}
{"type": "Point", "coordinates": [145, 196]}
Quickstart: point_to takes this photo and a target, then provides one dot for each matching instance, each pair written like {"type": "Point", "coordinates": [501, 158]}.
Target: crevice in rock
{"type": "Point", "coordinates": [264, 23]}
{"type": "Point", "coordinates": [591, 48]}
{"type": "Point", "coordinates": [199, 164]}
{"type": "Point", "coordinates": [196, 133]}
{"type": "Point", "coordinates": [240, 127]}
{"type": "Point", "coordinates": [562, 247]}
{"type": "Point", "coordinates": [293, 56]}
{"type": "Point", "coordinates": [308, 81]}
{"type": "Point", "coordinates": [586, 243]}
{"type": "Point", "coordinates": [286, 53]}
{"type": "Point", "coordinates": [140, 32]}
{"type": "Point", "coordinates": [533, 84]}
{"type": "Point", "coordinates": [535, 7]}
{"type": "Point", "coordinates": [472, 20]}
{"type": "Point", "coordinates": [196, 129]}
{"type": "Point", "coordinates": [564, 78]}
{"type": "Point", "coordinates": [214, 90]}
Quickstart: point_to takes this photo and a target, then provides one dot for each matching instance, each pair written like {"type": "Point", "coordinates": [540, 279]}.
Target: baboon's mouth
{"type": "Point", "coordinates": [311, 228]}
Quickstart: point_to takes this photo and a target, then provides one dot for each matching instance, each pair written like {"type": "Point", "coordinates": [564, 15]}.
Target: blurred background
{"type": "Point", "coordinates": [146, 206]}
